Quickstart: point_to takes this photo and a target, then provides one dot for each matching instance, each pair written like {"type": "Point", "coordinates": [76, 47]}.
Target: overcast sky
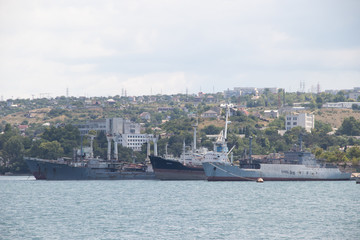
{"type": "Point", "coordinates": [98, 48]}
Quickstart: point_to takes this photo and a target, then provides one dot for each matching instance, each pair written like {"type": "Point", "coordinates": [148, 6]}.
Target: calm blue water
{"type": "Point", "coordinates": [178, 210]}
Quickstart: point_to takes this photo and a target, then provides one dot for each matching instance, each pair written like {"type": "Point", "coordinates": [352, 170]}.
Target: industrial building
{"type": "Point", "coordinates": [341, 105]}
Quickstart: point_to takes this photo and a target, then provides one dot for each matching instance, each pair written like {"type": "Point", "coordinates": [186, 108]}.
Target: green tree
{"type": "Point", "coordinates": [13, 153]}
{"type": "Point", "coordinates": [319, 101]}
{"type": "Point", "coordinates": [340, 97]}
{"type": "Point", "coordinates": [350, 127]}
{"type": "Point", "coordinates": [51, 150]}
{"type": "Point", "coordinates": [278, 123]}
{"type": "Point", "coordinates": [354, 154]}
{"type": "Point", "coordinates": [14, 148]}
{"type": "Point", "coordinates": [211, 129]}
{"type": "Point", "coordinates": [68, 136]}
{"type": "Point", "coordinates": [322, 127]}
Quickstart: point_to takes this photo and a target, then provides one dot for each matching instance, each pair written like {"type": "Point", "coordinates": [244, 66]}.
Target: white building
{"type": "Point", "coordinates": [271, 113]}
{"type": "Point", "coordinates": [340, 104]}
{"type": "Point", "coordinates": [135, 141]}
{"type": "Point", "coordinates": [209, 114]}
{"type": "Point", "coordinates": [240, 91]}
{"type": "Point", "coordinates": [304, 120]}
{"type": "Point", "coordinates": [126, 132]}
{"type": "Point", "coordinates": [145, 116]}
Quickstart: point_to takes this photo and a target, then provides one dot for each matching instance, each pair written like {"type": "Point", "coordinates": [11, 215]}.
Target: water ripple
{"type": "Point", "coordinates": [177, 210]}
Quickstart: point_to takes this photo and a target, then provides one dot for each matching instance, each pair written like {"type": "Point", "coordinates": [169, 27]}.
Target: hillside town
{"type": "Point", "coordinates": [274, 117]}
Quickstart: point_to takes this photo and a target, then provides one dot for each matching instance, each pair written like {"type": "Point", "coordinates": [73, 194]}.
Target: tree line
{"type": "Point", "coordinates": [56, 142]}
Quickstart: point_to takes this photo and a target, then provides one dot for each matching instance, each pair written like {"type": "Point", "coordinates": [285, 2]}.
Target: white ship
{"type": "Point", "coordinates": [295, 166]}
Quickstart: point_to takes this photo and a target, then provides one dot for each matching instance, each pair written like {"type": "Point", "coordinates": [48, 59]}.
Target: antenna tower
{"type": "Point", "coordinates": [279, 100]}
{"type": "Point", "coordinates": [302, 86]}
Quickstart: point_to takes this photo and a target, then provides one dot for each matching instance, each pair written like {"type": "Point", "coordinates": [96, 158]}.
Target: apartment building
{"type": "Point", "coordinates": [304, 120]}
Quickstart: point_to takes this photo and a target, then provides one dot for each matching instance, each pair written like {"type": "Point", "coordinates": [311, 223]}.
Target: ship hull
{"type": "Point", "coordinates": [166, 169]}
{"type": "Point", "coordinates": [49, 170]}
{"type": "Point", "coordinates": [272, 172]}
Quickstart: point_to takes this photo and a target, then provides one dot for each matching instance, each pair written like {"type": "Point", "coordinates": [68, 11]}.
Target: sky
{"type": "Point", "coordinates": [104, 48]}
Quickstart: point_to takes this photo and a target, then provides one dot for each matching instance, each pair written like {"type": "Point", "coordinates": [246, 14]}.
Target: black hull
{"type": "Point", "coordinates": [166, 169]}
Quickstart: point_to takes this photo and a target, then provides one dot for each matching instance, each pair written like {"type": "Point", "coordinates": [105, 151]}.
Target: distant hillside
{"type": "Point", "coordinates": [335, 117]}
{"type": "Point", "coordinates": [34, 116]}
{"type": "Point", "coordinates": [43, 115]}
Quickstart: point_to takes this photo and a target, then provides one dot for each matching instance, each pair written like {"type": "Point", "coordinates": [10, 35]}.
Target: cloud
{"type": "Point", "coordinates": [169, 46]}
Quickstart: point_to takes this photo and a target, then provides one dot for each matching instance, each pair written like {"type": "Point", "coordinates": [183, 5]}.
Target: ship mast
{"type": "Point", "coordinates": [194, 143]}
{"type": "Point", "coordinates": [226, 122]}
{"type": "Point", "coordinates": [224, 145]}
{"type": "Point", "coordinates": [184, 151]}
{"type": "Point", "coordinates": [91, 145]}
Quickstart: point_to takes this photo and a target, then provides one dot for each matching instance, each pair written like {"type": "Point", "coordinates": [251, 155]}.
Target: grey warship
{"type": "Point", "coordinates": [88, 169]}
{"type": "Point", "coordinates": [294, 166]}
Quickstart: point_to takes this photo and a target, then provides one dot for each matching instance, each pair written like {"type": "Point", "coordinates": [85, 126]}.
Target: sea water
{"type": "Point", "coordinates": [140, 209]}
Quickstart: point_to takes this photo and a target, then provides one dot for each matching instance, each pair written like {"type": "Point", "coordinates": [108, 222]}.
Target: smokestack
{"type": "Point", "coordinates": [148, 148]}
{"type": "Point", "coordinates": [155, 146]}
{"type": "Point", "coordinates": [116, 156]}
{"type": "Point", "coordinates": [194, 144]}
{"type": "Point", "coordinates": [284, 98]}
{"type": "Point", "coordinates": [109, 139]}
{"type": "Point", "coordinates": [92, 146]}
{"type": "Point", "coordinates": [250, 146]}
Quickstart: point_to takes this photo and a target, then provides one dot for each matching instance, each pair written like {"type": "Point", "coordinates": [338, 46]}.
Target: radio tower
{"type": "Point", "coordinates": [67, 92]}
{"type": "Point", "coordinates": [302, 86]}
{"type": "Point", "coordinates": [279, 100]}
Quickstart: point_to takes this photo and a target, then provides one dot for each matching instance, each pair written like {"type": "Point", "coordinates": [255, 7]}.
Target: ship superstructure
{"type": "Point", "coordinates": [293, 166]}
{"type": "Point", "coordinates": [189, 165]}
